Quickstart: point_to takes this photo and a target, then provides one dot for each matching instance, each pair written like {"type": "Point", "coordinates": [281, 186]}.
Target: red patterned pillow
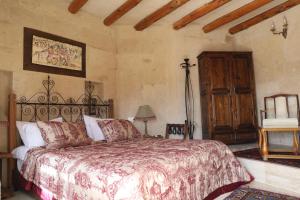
{"type": "Point", "coordinates": [132, 131]}
{"type": "Point", "coordinates": [62, 134]}
{"type": "Point", "coordinates": [115, 130]}
{"type": "Point", "coordinates": [112, 130]}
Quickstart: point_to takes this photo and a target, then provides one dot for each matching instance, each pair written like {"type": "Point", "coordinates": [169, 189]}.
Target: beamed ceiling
{"type": "Point", "coordinates": [236, 15]}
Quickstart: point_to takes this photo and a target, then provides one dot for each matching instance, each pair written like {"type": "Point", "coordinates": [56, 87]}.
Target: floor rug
{"type": "Point", "coordinates": [255, 154]}
{"type": "Point", "coordinates": [255, 194]}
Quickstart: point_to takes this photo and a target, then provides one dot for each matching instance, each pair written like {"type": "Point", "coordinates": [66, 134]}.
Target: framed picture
{"type": "Point", "coordinates": [45, 52]}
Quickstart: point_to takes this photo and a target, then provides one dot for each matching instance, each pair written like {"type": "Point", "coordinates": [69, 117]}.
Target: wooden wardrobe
{"type": "Point", "coordinates": [228, 101]}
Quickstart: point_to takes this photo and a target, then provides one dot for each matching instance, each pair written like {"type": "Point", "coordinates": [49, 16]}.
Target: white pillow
{"type": "Point", "coordinates": [20, 152]}
{"type": "Point", "coordinates": [31, 134]}
{"type": "Point", "coordinates": [92, 128]}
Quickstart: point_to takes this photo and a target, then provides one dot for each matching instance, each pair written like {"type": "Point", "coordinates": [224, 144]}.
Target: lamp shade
{"type": "Point", "coordinates": [144, 113]}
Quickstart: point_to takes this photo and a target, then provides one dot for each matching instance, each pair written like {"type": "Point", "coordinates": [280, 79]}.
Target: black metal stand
{"type": "Point", "coordinates": [189, 98]}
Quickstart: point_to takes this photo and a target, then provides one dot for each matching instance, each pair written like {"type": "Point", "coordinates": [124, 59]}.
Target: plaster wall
{"type": "Point", "coordinates": [149, 73]}
{"type": "Point", "coordinates": [52, 16]}
{"type": "Point", "coordinates": [276, 60]}
{"type": "Point", "coordinates": [148, 66]}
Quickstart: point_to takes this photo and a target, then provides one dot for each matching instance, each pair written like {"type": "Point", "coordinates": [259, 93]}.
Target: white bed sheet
{"type": "Point", "coordinates": [20, 154]}
{"type": "Point", "coordinates": [19, 164]}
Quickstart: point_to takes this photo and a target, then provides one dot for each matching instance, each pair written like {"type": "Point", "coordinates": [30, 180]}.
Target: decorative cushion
{"type": "Point", "coordinates": [280, 123]}
{"type": "Point", "coordinates": [132, 131]}
{"type": "Point", "coordinates": [62, 134]}
{"type": "Point", "coordinates": [115, 130]}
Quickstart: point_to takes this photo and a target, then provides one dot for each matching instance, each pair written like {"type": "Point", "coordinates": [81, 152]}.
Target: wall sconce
{"type": "Point", "coordinates": [284, 28]}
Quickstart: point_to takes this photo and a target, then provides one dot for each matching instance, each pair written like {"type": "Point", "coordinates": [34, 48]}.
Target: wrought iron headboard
{"type": "Point", "coordinates": [50, 104]}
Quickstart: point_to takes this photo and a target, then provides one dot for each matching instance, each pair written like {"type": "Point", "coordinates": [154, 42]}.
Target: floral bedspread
{"type": "Point", "coordinates": [135, 169]}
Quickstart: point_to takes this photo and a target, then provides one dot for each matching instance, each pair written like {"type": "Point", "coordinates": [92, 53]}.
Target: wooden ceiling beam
{"type": "Point", "coordinates": [263, 16]}
{"type": "Point", "coordinates": [122, 10]}
{"type": "Point", "coordinates": [199, 12]}
{"type": "Point", "coordinates": [158, 14]}
{"type": "Point", "coordinates": [75, 5]}
{"type": "Point", "coordinates": [253, 5]}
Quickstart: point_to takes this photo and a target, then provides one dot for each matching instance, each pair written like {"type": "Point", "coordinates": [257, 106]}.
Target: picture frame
{"type": "Point", "coordinates": [49, 53]}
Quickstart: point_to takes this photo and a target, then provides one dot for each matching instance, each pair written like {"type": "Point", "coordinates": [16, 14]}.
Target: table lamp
{"type": "Point", "coordinates": [145, 113]}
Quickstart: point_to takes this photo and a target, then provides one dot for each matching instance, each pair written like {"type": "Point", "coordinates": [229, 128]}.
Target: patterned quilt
{"type": "Point", "coordinates": [136, 169]}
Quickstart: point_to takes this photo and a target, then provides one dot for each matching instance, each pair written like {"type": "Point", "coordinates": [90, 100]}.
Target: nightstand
{"type": "Point", "coordinates": [5, 192]}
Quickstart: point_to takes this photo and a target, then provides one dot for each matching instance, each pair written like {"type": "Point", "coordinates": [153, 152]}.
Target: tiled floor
{"type": "Point", "coordinates": [273, 174]}
{"type": "Point", "coordinates": [22, 196]}
{"type": "Point", "coordinates": [262, 186]}
{"type": "Point", "coordinates": [240, 147]}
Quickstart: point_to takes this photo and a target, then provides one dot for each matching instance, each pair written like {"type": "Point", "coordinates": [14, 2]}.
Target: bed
{"type": "Point", "coordinates": [139, 168]}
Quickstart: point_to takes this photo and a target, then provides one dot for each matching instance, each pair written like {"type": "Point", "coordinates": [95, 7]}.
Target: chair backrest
{"type": "Point", "coordinates": [282, 106]}
{"type": "Point", "coordinates": [177, 129]}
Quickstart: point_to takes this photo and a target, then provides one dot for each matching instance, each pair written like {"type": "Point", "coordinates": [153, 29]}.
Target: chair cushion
{"type": "Point", "coordinates": [281, 108]}
{"type": "Point", "coordinates": [280, 123]}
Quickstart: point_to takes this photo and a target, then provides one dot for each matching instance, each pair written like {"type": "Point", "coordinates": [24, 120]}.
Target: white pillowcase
{"type": "Point", "coordinates": [20, 152]}
{"type": "Point", "coordinates": [31, 134]}
{"type": "Point", "coordinates": [92, 128]}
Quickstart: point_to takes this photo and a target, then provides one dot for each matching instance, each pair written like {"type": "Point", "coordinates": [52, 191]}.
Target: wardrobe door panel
{"type": "Point", "coordinates": [243, 98]}
{"type": "Point", "coordinates": [220, 85]}
{"type": "Point", "coordinates": [205, 97]}
{"type": "Point", "coordinates": [219, 73]}
{"type": "Point", "coordinates": [226, 137]}
{"type": "Point", "coordinates": [221, 108]}
{"type": "Point", "coordinates": [244, 111]}
{"type": "Point", "coordinates": [241, 72]}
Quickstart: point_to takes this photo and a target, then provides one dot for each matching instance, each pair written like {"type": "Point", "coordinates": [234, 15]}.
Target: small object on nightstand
{"type": "Point", "coordinates": [5, 192]}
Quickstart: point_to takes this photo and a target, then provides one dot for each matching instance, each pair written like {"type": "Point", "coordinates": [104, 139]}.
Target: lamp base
{"type": "Point", "coordinates": [146, 128]}
{"type": "Point", "coordinates": [146, 135]}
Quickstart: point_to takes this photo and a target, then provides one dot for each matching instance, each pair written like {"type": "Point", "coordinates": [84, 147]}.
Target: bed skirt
{"type": "Point", "coordinates": [31, 187]}
{"type": "Point", "coordinates": [46, 195]}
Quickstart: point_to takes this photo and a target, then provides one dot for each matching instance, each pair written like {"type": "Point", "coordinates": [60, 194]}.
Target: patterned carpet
{"type": "Point", "coordinates": [255, 194]}
{"type": "Point", "coordinates": [255, 154]}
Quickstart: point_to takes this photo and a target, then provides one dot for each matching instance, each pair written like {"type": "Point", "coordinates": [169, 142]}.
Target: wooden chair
{"type": "Point", "coordinates": [278, 107]}
{"type": "Point", "coordinates": [177, 129]}
{"type": "Point", "coordinates": [281, 115]}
